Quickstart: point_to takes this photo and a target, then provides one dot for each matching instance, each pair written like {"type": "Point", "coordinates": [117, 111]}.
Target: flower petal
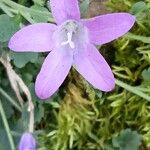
{"type": "Point", "coordinates": [33, 38]}
{"type": "Point", "coordinates": [53, 72]}
{"type": "Point", "coordinates": [63, 10]}
{"type": "Point", "coordinates": [93, 67]}
{"type": "Point", "coordinates": [105, 28]}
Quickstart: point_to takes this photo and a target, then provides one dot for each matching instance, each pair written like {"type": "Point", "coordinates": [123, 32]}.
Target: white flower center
{"type": "Point", "coordinates": [69, 41]}
{"type": "Point", "coordinates": [70, 34]}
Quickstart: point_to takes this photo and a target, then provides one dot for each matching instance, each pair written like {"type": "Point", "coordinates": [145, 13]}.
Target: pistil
{"type": "Point", "coordinates": [69, 41]}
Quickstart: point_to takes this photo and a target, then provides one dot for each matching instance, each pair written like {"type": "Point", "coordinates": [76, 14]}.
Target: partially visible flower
{"type": "Point", "coordinates": [27, 142]}
{"type": "Point", "coordinates": [72, 42]}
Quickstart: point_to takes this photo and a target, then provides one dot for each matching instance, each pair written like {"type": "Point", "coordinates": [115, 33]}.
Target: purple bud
{"type": "Point", "coordinates": [27, 142]}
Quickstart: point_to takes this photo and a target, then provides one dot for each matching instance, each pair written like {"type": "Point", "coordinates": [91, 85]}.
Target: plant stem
{"type": "Point", "coordinates": [27, 17]}
{"type": "Point", "coordinates": [132, 89]}
{"type": "Point", "coordinates": [12, 145]}
{"type": "Point", "coordinates": [31, 121]}
{"type": "Point", "coordinates": [12, 101]}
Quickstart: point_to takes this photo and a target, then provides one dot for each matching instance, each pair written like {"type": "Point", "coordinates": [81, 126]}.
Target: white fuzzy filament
{"type": "Point", "coordinates": [69, 41]}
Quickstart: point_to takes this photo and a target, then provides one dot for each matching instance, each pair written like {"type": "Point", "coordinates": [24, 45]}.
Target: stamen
{"type": "Point", "coordinates": [69, 41]}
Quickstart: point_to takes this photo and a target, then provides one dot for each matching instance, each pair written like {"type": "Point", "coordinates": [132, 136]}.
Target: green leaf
{"type": "Point", "coordinates": [39, 2]}
{"type": "Point", "coordinates": [8, 108]}
{"type": "Point", "coordinates": [39, 113]}
{"type": "Point", "coordinates": [138, 7]}
{"type": "Point", "coordinates": [39, 18]}
{"type": "Point", "coordinates": [8, 27]}
{"type": "Point", "coordinates": [4, 143]}
{"type": "Point", "coordinates": [21, 59]}
{"type": "Point", "coordinates": [22, 123]}
{"type": "Point", "coordinates": [84, 6]}
{"type": "Point", "coordinates": [146, 77]}
{"type": "Point", "coordinates": [143, 39]}
{"type": "Point", "coordinates": [146, 74]}
{"type": "Point", "coordinates": [127, 140]}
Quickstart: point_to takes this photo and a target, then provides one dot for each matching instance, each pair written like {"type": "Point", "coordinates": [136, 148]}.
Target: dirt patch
{"type": "Point", "coordinates": [97, 7]}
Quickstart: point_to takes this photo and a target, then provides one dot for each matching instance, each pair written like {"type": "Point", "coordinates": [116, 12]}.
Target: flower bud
{"type": "Point", "coordinates": [27, 142]}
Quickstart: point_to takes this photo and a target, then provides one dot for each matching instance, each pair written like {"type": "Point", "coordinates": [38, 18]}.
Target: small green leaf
{"type": "Point", "coordinates": [8, 27]}
{"type": "Point", "coordinates": [146, 77]}
{"type": "Point", "coordinates": [39, 18]}
{"type": "Point", "coordinates": [21, 59]}
{"type": "Point", "coordinates": [143, 39]}
{"type": "Point", "coordinates": [138, 7]}
{"type": "Point", "coordinates": [127, 140]}
{"type": "Point", "coordinates": [84, 6]}
{"type": "Point", "coordinates": [39, 113]}
{"type": "Point", "coordinates": [146, 74]}
{"type": "Point", "coordinates": [39, 2]}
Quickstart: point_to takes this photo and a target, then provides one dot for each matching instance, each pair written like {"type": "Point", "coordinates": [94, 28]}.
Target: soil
{"type": "Point", "coordinates": [97, 7]}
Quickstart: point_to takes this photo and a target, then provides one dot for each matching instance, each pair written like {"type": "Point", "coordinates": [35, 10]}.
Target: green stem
{"type": "Point", "coordinates": [8, 131]}
{"type": "Point", "coordinates": [132, 89]}
{"type": "Point", "coordinates": [25, 9]}
{"type": "Point", "coordinates": [31, 121]}
{"type": "Point", "coordinates": [27, 17]}
{"type": "Point", "coordinates": [12, 101]}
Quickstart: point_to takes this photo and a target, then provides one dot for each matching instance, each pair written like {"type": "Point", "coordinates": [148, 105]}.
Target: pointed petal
{"type": "Point", "coordinates": [105, 28]}
{"type": "Point", "coordinates": [33, 38]}
{"type": "Point", "coordinates": [53, 72]}
{"type": "Point", "coordinates": [93, 67]}
{"type": "Point", "coordinates": [63, 10]}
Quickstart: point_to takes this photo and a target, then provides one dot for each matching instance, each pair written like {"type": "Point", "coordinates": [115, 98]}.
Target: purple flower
{"type": "Point", "coordinates": [27, 142]}
{"type": "Point", "coordinates": [72, 42]}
